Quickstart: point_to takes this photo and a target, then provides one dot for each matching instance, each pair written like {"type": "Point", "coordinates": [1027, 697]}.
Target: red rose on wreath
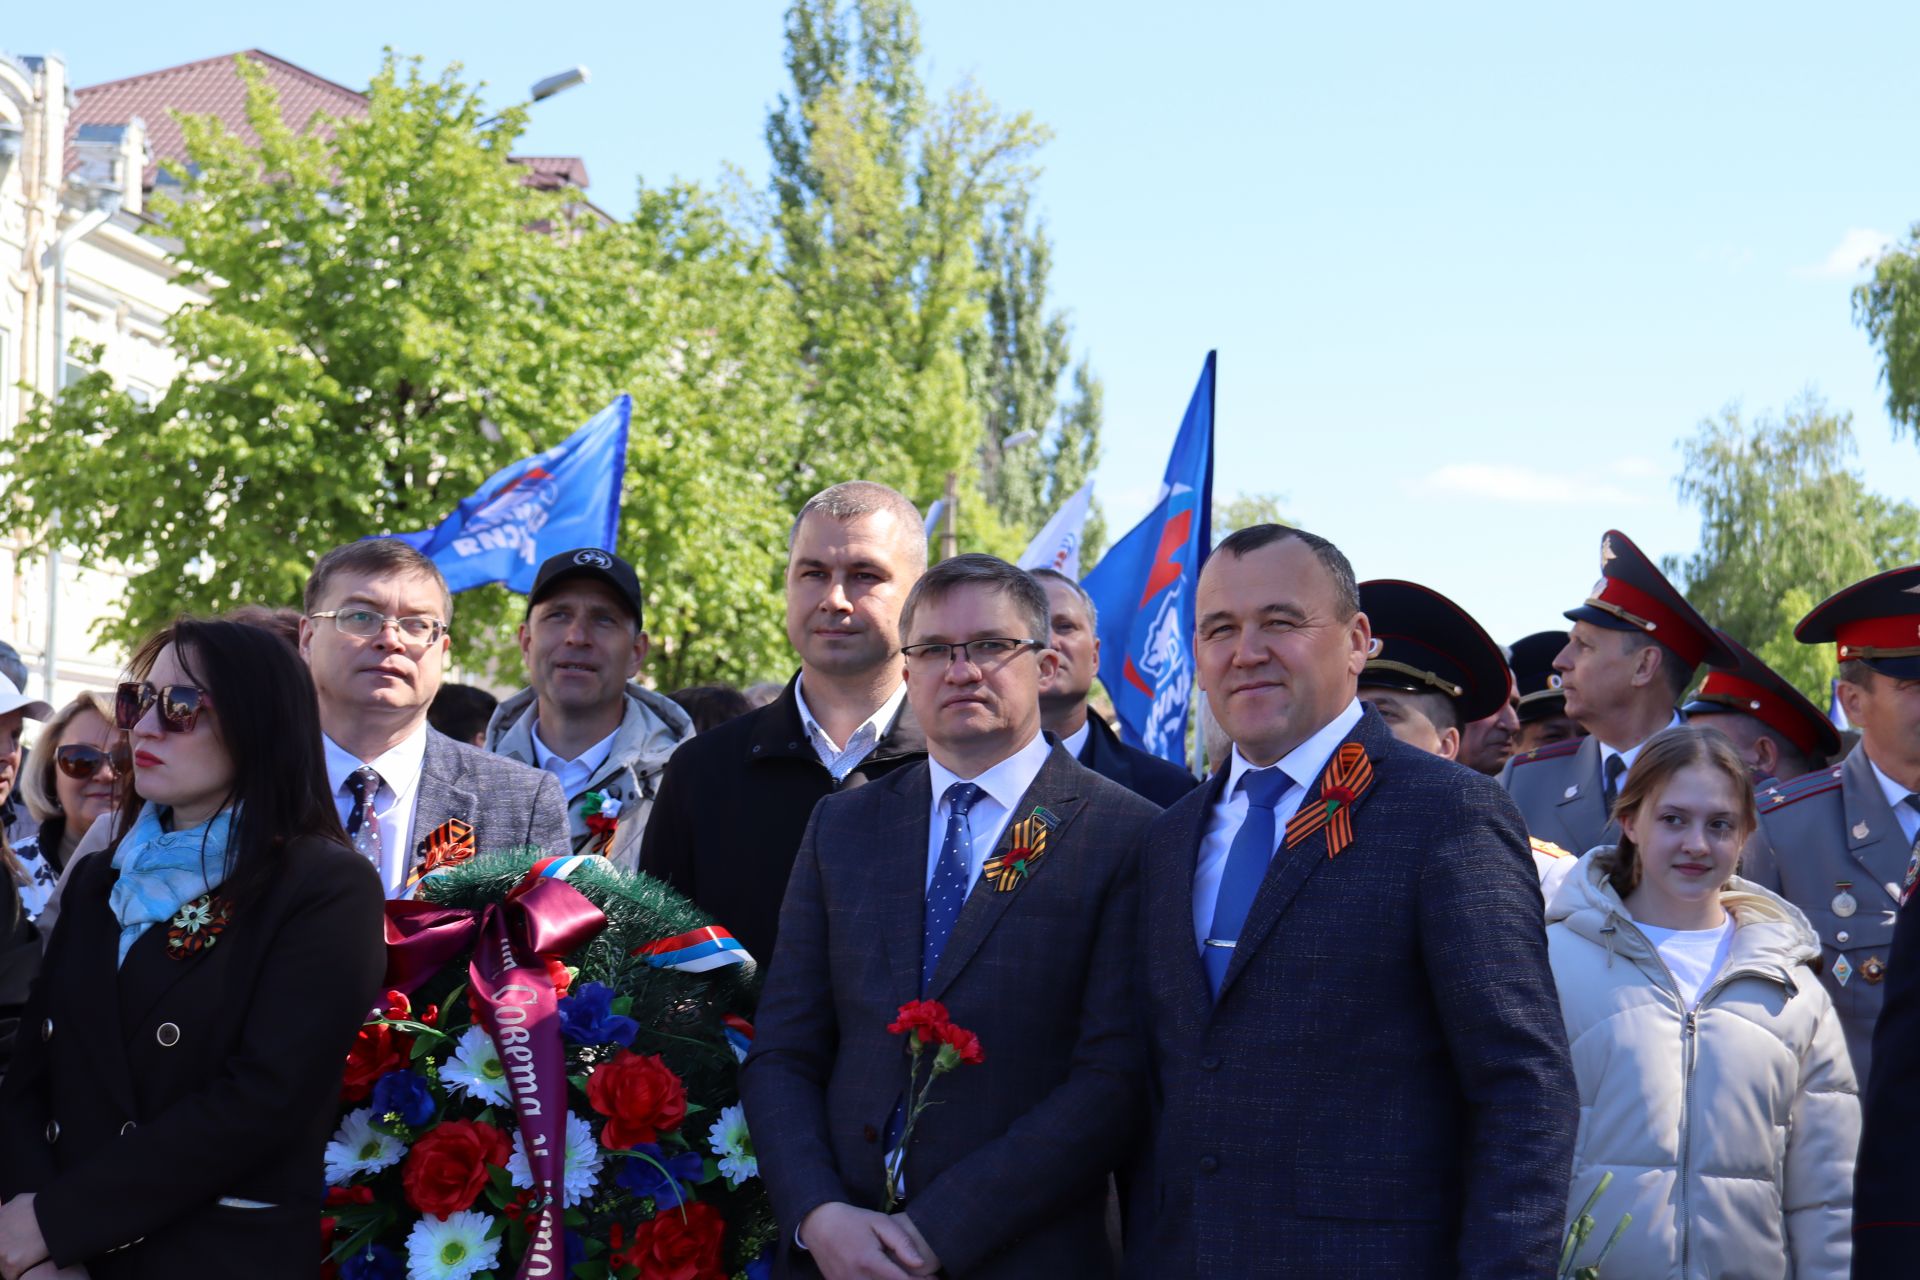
{"type": "Point", "coordinates": [924, 1018]}
{"type": "Point", "coordinates": [377, 1050]}
{"type": "Point", "coordinates": [447, 1169]}
{"type": "Point", "coordinates": [639, 1095]}
{"type": "Point", "coordinates": [680, 1244]}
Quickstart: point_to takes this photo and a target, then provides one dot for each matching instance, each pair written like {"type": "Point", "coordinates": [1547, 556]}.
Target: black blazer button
{"type": "Point", "coordinates": [46, 1030]}
{"type": "Point", "coordinates": [53, 1132]}
{"type": "Point", "coordinates": [126, 1128]}
{"type": "Point", "coordinates": [1208, 1164]}
{"type": "Point", "coordinates": [167, 1034]}
{"type": "Point", "coordinates": [870, 1134]}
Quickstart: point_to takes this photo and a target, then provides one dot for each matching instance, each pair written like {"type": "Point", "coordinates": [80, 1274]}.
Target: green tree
{"type": "Point", "coordinates": [390, 316]}
{"type": "Point", "coordinates": [1785, 521]}
{"type": "Point", "coordinates": [1244, 510]}
{"type": "Point", "coordinates": [878, 194]}
{"type": "Point", "coordinates": [1887, 306]}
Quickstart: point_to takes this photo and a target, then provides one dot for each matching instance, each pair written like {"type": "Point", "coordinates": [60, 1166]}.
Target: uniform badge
{"type": "Point", "coordinates": [1842, 971]}
{"type": "Point", "coordinates": [1873, 969]}
{"type": "Point", "coordinates": [1345, 781]}
{"type": "Point", "coordinates": [1570, 792]}
{"type": "Point", "coordinates": [1026, 844]}
{"type": "Point", "coordinates": [1844, 903]}
{"type": "Point", "coordinates": [1859, 831]}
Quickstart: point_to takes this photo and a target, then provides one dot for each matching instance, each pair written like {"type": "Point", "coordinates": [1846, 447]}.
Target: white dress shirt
{"type": "Point", "coordinates": [576, 773]}
{"type": "Point", "coordinates": [1001, 788]}
{"type": "Point", "coordinates": [1076, 742]}
{"type": "Point", "coordinates": [399, 770]}
{"type": "Point", "coordinates": [1304, 765]}
{"type": "Point", "coordinates": [1628, 756]}
{"type": "Point", "coordinates": [841, 761]}
{"type": "Point", "coordinates": [1905, 814]}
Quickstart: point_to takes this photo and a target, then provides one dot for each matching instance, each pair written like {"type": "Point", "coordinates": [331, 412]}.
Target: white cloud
{"type": "Point", "coordinates": [1858, 246]}
{"type": "Point", "coordinates": [1523, 486]}
{"type": "Point", "coordinates": [1635, 468]}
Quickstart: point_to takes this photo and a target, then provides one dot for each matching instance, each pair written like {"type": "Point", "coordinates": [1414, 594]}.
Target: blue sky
{"type": "Point", "coordinates": [1472, 276]}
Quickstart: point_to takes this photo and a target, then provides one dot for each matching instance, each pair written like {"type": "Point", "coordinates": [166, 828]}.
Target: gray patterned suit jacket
{"type": "Point", "coordinates": [507, 803]}
{"type": "Point", "coordinates": [1007, 1172]}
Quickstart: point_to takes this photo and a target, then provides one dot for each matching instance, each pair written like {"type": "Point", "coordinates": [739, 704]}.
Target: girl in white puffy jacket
{"type": "Point", "coordinates": [1714, 1079]}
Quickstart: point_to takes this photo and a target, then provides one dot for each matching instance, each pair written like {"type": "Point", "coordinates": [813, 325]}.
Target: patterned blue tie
{"type": "Point", "coordinates": [948, 892]}
{"type": "Point", "coordinates": [1247, 859]}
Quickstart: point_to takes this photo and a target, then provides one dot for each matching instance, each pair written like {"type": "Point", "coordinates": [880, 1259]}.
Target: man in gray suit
{"type": "Point", "coordinates": [1839, 843]}
{"type": "Point", "coordinates": [375, 637]}
{"type": "Point", "coordinates": [1631, 654]}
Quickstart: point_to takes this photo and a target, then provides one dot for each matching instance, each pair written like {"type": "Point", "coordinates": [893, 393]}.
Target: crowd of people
{"type": "Point", "coordinates": [1455, 942]}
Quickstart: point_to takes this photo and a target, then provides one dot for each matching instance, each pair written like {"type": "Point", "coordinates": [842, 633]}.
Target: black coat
{"type": "Point", "coordinates": [1140, 772]}
{"type": "Point", "coordinates": [144, 1101]}
{"type": "Point", "coordinates": [1886, 1195]}
{"type": "Point", "coordinates": [734, 802]}
{"type": "Point", "coordinates": [19, 963]}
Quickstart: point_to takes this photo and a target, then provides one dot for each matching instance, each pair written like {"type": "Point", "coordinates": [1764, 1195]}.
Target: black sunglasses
{"type": "Point", "coordinates": [81, 763]}
{"type": "Point", "coordinates": [180, 705]}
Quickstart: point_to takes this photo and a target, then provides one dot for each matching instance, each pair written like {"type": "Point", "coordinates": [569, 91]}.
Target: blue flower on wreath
{"type": "Point", "coordinates": [587, 1017]}
{"type": "Point", "coordinates": [644, 1179]}
{"type": "Point", "coordinates": [761, 1268]}
{"type": "Point", "coordinates": [576, 1250]}
{"type": "Point", "coordinates": [375, 1262]}
{"type": "Point", "coordinates": [405, 1095]}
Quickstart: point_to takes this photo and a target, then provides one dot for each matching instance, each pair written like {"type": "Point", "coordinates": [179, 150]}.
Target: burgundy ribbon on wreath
{"type": "Point", "coordinates": [513, 998]}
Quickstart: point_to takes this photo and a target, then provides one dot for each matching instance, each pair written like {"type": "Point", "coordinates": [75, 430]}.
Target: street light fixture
{"type": "Point", "coordinates": [559, 83]}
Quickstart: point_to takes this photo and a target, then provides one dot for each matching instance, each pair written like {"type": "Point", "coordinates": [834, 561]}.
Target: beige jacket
{"type": "Point", "coordinates": [1730, 1130]}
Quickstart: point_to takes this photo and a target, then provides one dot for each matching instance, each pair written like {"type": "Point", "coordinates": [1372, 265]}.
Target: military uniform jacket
{"type": "Point", "coordinates": [1820, 831]}
{"type": "Point", "coordinates": [1559, 793]}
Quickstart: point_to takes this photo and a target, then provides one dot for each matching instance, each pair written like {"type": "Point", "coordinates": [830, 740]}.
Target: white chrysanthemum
{"type": "Point", "coordinates": [582, 1173]}
{"type": "Point", "coordinates": [734, 1145]}
{"type": "Point", "coordinates": [358, 1148]}
{"type": "Point", "coordinates": [475, 1068]}
{"type": "Point", "coordinates": [451, 1250]}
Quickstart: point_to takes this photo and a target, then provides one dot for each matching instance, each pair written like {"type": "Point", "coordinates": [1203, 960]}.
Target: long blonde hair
{"type": "Point", "coordinates": [1667, 753]}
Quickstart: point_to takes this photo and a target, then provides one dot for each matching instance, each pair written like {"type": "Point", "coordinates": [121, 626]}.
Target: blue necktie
{"type": "Point", "coordinates": [948, 892]}
{"type": "Point", "coordinates": [1247, 859]}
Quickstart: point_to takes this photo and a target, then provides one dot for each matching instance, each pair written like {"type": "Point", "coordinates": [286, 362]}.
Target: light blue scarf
{"type": "Point", "coordinates": [162, 871]}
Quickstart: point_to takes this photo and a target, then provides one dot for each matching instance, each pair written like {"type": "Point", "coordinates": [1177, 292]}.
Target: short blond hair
{"type": "Point", "coordinates": [36, 779]}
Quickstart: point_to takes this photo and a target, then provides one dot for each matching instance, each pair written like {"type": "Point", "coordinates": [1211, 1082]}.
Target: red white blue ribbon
{"type": "Point", "coordinates": [695, 951]}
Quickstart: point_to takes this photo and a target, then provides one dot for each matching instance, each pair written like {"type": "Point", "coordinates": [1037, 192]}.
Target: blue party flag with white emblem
{"type": "Point", "coordinates": [1144, 590]}
{"type": "Point", "coordinates": [567, 497]}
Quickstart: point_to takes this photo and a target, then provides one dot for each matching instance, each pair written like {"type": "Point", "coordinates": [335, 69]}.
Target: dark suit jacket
{"type": "Point", "coordinates": [142, 1096]}
{"type": "Point", "coordinates": [733, 804]}
{"type": "Point", "coordinates": [1384, 1088]}
{"type": "Point", "coordinates": [1140, 772]}
{"type": "Point", "coordinates": [1886, 1197]}
{"type": "Point", "coordinates": [508, 803]}
{"type": "Point", "coordinates": [1006, 1174]}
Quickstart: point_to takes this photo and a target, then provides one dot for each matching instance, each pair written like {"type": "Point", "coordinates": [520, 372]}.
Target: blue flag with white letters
{"type": "Point", "coordinates": [1143, 590]}
{"type": "Point", "coordinates": [567, 497]}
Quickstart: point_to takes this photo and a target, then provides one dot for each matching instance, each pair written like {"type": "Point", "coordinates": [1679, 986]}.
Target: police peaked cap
{"type": "Point", "coordinates": [1875, 621]}
{"type": "Point", "coordinates": [1752, 688]}
{"type": "Point", "coordinates": [1534, 677]}
{"type": "Point", "coordinates": [1425, 643]}
{"type": "Point", "coordinates": [1633, 595]}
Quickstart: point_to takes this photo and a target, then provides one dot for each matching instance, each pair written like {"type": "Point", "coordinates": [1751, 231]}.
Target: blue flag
{"type": "Point", "coordinates": [567, 497]}
{"type": "Point", "coordinates": [1144, 587]}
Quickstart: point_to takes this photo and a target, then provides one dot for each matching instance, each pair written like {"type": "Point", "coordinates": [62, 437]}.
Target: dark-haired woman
{"type": "Point", "coordinates": [177, 1065]}
{"type": "Point", "coordinates": [1714, 1079]}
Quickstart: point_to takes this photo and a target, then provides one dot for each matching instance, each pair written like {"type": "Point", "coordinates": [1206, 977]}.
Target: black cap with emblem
{"type": "Point", "coordinates": [1875, 621]}
{"type": "Point", "coordinates": [1425, 643]}
{"type": "Point", "coordinates": [1533, 675]}
{"type": "Point", "coordinates": [588, 562]}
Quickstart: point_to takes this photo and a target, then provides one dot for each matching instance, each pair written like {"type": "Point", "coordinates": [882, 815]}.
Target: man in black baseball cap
{"type": "Point", "coordinates": [584, 717]}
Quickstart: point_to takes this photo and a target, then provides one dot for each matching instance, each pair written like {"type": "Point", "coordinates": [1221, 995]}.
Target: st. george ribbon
{"type": "Point", "coordinates": [513, 999]}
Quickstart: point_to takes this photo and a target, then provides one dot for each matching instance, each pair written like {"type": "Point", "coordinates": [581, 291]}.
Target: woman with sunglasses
{"type": "Point", "coordinates": [174, 1082]}
{"type": "Point", "coordinates": [77, 772]}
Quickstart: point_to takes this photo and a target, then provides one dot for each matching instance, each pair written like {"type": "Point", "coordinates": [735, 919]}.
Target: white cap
{"type": "Point", "coordinates": [11, 700]}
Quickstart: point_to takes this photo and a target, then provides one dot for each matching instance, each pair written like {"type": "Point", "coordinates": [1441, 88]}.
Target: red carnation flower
{"type": "Point", "coordinates": [447, 1169]}
{"type": "Point", "coordinates": [640, 1097]}
{"type": "Point", "coordinates": [377, 1050]}
{"type": "Point", "coordinates": [964, 1042]}
{"type": "Point", "coordinates": [924, 1018]}
{"type": "Point", "coordinates": [680, 1244]}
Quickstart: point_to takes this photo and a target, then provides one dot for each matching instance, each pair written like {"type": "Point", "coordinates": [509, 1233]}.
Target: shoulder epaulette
{"type": "Point", "coordinates": [1547, 847]}
{"type": "Point", "coordinates": [1552, 751]}
{"type": "Point", "coordinates": [1781, 794]}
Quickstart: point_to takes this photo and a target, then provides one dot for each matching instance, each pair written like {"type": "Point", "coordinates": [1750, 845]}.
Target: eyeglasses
{"type": "Point", "coordinates": [180, 705]}
{"type": "Point", "coordinates": [366, 624]}
{"type": "Point", "coordinates": [990, 652]}
{"type": "Point", "coordinates": [81, 763]}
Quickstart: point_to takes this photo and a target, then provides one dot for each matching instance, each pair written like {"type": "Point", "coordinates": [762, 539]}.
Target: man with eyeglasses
{"type": "Point", "coordinates": [412, 800]}
{"type": "Point", "coordinates": [999, 877]}
{"type": "Point", "coordinates": [584, 717]}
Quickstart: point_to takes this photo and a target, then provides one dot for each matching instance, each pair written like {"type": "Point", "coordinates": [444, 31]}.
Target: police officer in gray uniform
{"type": "Point", "coordinates": [1631, 654]}
{"type": "Point", "coordinates": [1779, 733]}
{"type": "Point", "coordinates": [1840, 843]}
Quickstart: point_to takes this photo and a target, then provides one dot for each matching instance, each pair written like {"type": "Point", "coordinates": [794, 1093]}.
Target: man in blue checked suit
{"type": "Point", "coordinates": [1357, 1062]}
{"type": "Point", "coordinates": [912, 887]}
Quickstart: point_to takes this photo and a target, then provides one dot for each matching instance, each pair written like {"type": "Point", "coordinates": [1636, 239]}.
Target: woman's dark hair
{"type": "Point", "coordinates": [708, 705]}
{"type": "Point", "coordinates": [1667, 753]}
{"type": "Point", "coordinates": [262, 705]}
